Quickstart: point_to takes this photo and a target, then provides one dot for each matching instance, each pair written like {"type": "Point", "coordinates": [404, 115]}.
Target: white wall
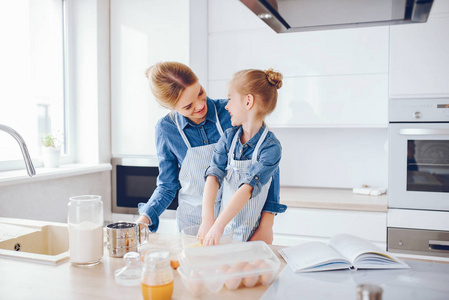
{"type": "Point", "coordinates": [333, 157]}
{"type": "Point", "coordinates": [47, 200]}
{"type": "Point", "coordinates": [144, 32]}
{"type": "Point", "coordinates": [332, 110]}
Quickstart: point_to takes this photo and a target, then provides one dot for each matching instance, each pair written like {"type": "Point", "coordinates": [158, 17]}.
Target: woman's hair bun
{"type": "Point", "coordinates": [275, 78]}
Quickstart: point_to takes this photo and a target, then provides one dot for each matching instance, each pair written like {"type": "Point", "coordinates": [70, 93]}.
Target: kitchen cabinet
{"type": "Point", "coordinates": [319, 214]}
{"type": "Point", "coordinates": [419, 59]}
{"type": "Point", "coordinates": [335, 78]}
{"type": "Point", "coordinates": [306, 224]}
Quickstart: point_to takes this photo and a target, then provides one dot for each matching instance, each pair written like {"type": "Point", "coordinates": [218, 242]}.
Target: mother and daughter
{"type": "Point", "coordinates": [219, 154]}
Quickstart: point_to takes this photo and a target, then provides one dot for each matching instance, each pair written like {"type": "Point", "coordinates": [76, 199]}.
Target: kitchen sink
{"type": "Point", "coordinates": [37, 241]}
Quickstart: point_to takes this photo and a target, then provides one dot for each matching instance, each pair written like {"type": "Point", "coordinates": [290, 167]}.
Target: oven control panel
{"type": "Point", "coordinates": [419, 110]}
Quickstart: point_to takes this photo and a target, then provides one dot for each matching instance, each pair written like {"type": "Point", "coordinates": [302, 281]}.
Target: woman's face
{"type": "Point", "coordinates": [192, 104]}
{"type": "Point", "coordinates": [236, 107]}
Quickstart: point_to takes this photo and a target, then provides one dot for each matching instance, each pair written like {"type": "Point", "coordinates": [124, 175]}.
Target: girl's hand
{"type": "Point", "coordinates": [202, 231]}
{"type": "Point", "coordinates": [213, 236]}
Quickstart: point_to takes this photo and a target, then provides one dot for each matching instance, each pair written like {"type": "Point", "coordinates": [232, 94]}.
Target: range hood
{"type": "Point", "coordinates": [309, 15]}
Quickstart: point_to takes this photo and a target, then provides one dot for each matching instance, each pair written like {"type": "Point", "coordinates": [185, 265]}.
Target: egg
{"type": "Point", "coordinates": [234, 277]}
{"type": "Point", "coordinates": [267, 276]}
{"type": "Point", "coordinates": [258, 262]}
{"type": "Point", "coordinates": [241, 264]}
{"type": "Point", "coordinates": [195, 283]}
{"type": "Point", "coordinates": [251, 279]}
{"type": "Point", "coordinates": [222, 269]}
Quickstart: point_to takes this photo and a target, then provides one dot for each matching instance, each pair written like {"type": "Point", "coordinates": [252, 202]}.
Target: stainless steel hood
{"type": "Point", "coordinates": [309, 15]}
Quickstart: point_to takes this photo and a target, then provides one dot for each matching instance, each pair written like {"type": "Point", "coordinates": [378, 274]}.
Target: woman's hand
{"type": "Point", "coordinates": [213, 236]}
{"type": "Point", "coordinates": [265, 230]}
{"type": "Point", "coordinates": [143, 219]}
{"type": "Point", "coordinates": [202, 231]}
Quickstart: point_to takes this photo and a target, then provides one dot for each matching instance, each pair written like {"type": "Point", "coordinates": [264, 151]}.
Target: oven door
{"type": "Point", "coordinates": [419, 166]}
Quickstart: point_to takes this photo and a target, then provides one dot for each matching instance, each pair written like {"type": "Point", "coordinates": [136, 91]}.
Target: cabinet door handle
{"type": "Point", "coordinates": [439, 245]}
{"type": "Point", "coordinates": [422, 131]}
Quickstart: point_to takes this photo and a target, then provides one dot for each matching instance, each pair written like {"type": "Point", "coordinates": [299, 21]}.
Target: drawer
{"type": "Point", "coordinates": [323, 223]}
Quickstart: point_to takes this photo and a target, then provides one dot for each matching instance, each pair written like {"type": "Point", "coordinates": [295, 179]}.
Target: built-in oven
{"type": "Point", "coordinates": [418, 178]}
{"type": "Point", "coordinates": [134, 179]}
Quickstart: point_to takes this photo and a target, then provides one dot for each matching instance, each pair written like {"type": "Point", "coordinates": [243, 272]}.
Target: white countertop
{"type": "Point", "coordinates": [424, 280]}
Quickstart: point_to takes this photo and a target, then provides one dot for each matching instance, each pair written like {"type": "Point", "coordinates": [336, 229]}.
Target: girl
{"type": "Point", "coordinates": [185, 141]}
{"type": "Point", "coordinates": [245, 159]}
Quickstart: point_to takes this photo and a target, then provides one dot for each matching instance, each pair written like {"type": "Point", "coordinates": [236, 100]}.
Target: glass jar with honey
{"type": "Point", "coordinates": [157, 276]}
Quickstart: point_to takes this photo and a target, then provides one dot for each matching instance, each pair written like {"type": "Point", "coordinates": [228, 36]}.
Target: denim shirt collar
{"type": "Point", "coordinates": [253, 141]}
{"type": "Point", "coordinates": [210, 116]}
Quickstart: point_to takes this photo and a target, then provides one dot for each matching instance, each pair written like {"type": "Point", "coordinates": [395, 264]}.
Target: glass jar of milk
{"type": "Point", "coordinates": [85, 221]}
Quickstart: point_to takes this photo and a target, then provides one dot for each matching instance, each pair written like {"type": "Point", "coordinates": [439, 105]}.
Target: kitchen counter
{"type": "Point", "coordinates": [26, 280]}
{"type": "Point", "coordinates": [327, 198]}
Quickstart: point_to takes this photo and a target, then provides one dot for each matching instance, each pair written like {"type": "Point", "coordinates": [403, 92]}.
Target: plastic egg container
{"type": "Point", "coordinates": [236, 265]}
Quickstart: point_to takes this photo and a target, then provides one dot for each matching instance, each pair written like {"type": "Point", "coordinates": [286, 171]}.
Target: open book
{"type": "Point", "coordinates": [343, 251]}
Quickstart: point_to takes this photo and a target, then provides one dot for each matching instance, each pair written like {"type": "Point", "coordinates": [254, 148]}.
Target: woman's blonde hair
{"type": "Point", "coordinates": [263, 85]}
{"type": "Point", "coordinates": [168, 80]}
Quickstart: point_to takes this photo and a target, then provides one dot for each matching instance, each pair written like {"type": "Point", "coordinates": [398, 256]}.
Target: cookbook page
{"type": "Point", "coordinates": [313, 256]}
{"type": "Point", "coordinates": [351, 246]}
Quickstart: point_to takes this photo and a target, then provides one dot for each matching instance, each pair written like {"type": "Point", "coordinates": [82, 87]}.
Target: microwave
{"type": "Point", "coordinates": [134, 179]}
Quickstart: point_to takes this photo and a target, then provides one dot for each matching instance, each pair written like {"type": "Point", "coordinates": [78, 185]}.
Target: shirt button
{"type": "Point", "coordinates": [201, 127]}
{"type": "Point", "coordinates": [256, 177]}
{"type": "Point", "coordinates": [244, 145]}
{"type": "Point", "coordinates": [241, 150]}
{"type": "Point", "coordinates": [205, 142]}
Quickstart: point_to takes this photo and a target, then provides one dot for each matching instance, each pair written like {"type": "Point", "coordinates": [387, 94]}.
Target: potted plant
{"type": "Point", "coordinates": [51, 150]}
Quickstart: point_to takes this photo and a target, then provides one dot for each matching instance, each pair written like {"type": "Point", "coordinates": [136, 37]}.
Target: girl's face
{"type": "Point", "coordinates": [236, 107]}
{"type": "Point", "coordinates": [192, 104]}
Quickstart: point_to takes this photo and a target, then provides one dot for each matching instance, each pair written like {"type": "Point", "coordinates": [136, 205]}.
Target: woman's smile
{"type": "Point", "coordinates": [202, 110]}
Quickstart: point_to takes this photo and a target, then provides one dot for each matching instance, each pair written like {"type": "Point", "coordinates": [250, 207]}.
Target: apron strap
{"type": "Point", "coordinates": [217, 123]}
{"type": "Point", "coordinates": [220, 130]}
{"type": "Point", "coordinates": [234, 142]}
{"type": "Point", "coordinates": [259, 143]}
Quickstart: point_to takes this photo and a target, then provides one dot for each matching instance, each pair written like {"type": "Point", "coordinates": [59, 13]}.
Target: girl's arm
{"type": "Point", "coordinates": [236, 204]}
{"type": "Point", "coordinates": [207, 213]}
{"type": "Point", "coordinates": [265, 230]}
{"type": "Point", "coordinates": [214, 176]}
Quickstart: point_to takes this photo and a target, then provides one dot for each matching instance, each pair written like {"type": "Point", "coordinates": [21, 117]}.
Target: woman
{"type": "Point", "coordinates": [185, 141]}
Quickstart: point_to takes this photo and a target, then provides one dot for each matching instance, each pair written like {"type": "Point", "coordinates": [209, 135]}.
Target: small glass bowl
{"type": "Point", "coordinates": [190, 240]}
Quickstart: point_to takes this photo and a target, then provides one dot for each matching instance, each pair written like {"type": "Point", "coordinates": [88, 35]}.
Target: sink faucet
{"type": "Point", "coordinates": [23, 147]}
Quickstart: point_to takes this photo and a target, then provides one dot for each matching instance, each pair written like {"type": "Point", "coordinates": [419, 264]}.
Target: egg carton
{"type": "Point", "coordinates": [236, 265]}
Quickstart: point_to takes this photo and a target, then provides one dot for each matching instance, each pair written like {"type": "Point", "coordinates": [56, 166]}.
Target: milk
{"type": "Point", "coordinates": [85, 243]}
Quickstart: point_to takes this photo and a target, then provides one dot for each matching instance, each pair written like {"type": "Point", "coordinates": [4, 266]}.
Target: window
{"type": "Point", "coordinates": [32, 76]}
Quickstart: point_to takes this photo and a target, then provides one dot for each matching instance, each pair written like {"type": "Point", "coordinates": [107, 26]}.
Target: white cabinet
{"type": "Point", "coordinates": [419, 56]}
{"type": "Point", "coordinates": [332, 78]}
{"type": "Point", "coordinates": [303, 224]}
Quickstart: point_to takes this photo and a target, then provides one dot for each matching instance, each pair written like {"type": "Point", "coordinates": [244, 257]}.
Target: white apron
{"type": "Point", "coordinates": [247, 220]}
{"type": "Point", "coordinates": [191, 178]}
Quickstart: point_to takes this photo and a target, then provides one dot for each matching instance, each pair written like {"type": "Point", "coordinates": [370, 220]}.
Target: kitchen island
{"type": "Point", "coordinates": [28, 280]}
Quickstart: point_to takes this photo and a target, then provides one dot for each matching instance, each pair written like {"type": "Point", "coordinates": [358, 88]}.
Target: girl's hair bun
{"type": "Point", "coordinates": [275, 78]}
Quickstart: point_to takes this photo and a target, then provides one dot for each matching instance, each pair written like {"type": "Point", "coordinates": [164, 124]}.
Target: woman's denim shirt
{"type": "Point", "coordinates": [171, 151]}
{"type": "Point", "coordinates": [268, 158]}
